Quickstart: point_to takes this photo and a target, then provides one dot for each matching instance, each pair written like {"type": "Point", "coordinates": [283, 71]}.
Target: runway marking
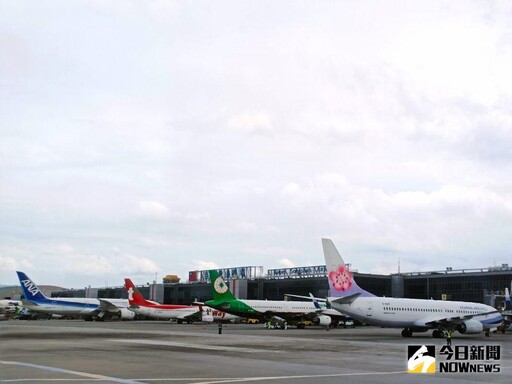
{"type": "Point", "coordinates": [68, 371]}
{"type": "Point", "coordinates": [192, 345]}
{"type": "Point", "coordinates": [264, 378]}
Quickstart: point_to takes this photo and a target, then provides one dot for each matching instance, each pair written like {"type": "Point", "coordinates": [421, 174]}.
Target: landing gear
{"type": "Point", "coordinates": [406, 332]}
{"type": "Point", "coordinates": [488, 334]}
{"type": "Point", "coordinates": [438, 334]}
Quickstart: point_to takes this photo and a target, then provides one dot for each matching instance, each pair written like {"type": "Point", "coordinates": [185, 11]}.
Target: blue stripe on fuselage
{"type": "Point", "coordinates": [495, 320]}
{"type": "Point", "coordinates": [71, 304]}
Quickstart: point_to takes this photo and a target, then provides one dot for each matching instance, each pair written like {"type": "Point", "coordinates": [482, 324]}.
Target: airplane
{"type": "Point", "coordinates": [413, 315]}
{"type": "Point", "coordinates": [508, 304]}
{"type": "Point", "coordinates": [188, 313]}
{"type": "Point", "coordinates": [90, 309]}
{"type": "Point", "coordinates": [284, 312]}
{"type": "Point", "coordinates": [506, 313]}
{"type": "Point", "coordinates": [8, 308]}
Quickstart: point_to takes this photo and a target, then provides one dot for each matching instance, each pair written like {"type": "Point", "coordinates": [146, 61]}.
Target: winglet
{"type": "Point", "coordinates": [315, 301]}
{"type": "Point", "coordinates": [508, 305]}
{"type": "Point", "coordinates": [30, 289]}
{"type": "Point", "coordinates": [341, 280]}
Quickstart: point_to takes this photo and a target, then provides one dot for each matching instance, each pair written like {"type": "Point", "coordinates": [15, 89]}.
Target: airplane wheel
{"type": "Point", "coordinates": [437, 334]}
{"type": "Point", "coordinates": [488, 334]}
{"type": "Point", "coordinates": [406, 332]}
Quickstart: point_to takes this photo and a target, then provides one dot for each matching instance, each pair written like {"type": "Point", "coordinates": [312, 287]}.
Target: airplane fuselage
{"type": "Point", "coordinates": [415, 313]}
{"type": "Point", "coordinates": [70, 306]}
{"type": "Point", "coordinates": [160, 312]}
{"type": "Point", "coordinates": [168, 312]}
{"type": "Point", "coordinates": [294, 312]}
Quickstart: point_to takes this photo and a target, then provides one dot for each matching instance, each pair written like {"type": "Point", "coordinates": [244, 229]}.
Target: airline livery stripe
{"type": "Point", "coordinates": [66, 303]}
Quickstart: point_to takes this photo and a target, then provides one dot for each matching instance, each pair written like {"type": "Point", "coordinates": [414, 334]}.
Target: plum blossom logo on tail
{"type": "Point", "coordinates": [341, 278]}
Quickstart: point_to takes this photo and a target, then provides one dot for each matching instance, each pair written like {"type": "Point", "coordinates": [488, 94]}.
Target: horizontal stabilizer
{"type": "Point", "coordinates": [347, 299]}
{"type": "Point", "coordinates": [305, 297]}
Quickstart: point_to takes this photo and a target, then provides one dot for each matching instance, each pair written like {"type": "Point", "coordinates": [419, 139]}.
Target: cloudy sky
{"type": "Point", "coordinates": [167, 136]}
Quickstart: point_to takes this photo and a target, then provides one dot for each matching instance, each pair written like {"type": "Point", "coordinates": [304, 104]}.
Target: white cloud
{"type": "Point", "coordinates": [272, 251]}
{"type": "Point", "coordinates": [88, 265]}
{"type": "Point", "coordinates": [286, 263]}
{"type": "Point", "coordinates": [136, 265]}
{"type": "Point", "coordinates": [8, 264]}
{"type": "Point", "coordinates": [201, 265]}
{"type": "Point", "coordinates": [252, 123]}
{"type": "Point", "coordinates": [246, 139]}
{"type": "Point", "coordinates": [153, 209]}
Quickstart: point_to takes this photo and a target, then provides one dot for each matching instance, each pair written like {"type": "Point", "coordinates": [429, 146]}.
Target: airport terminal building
{"type": "Point", "coordinates": [485, 285]}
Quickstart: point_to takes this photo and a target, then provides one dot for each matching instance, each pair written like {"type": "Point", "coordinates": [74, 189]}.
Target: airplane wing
{"type": "Point", "coordinates": [311, 297]}
{"type": "Point", "coordinates": [107, 307]}
{"type": "Point", "coordinates": [456, 320]}
{"type": "Point", "coordinates": [190, 315]}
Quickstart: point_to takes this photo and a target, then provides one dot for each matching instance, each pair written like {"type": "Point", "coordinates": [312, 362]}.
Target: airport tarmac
{"type": "Point", "coordinates": [63, 351]}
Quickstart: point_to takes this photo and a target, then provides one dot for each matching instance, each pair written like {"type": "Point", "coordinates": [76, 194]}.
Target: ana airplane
{"type": "Point", "coordinates": [292, 312]}
{"type": "Point", "coordinates": [187, 313]}
{"type": "Point", "coordinates": [413, 315]}
{"type": "Point", "coordinates": [89, 309]}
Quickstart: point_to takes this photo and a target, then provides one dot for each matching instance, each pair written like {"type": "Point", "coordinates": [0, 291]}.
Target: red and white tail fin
{"type": "Point", "coordinates": [134, 296]}
{"type": "Point", "coordinates": [341, 280]}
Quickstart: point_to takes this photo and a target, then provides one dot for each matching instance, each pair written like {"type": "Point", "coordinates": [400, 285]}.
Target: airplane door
{"type": "Point", "coordinates": [369, 310]}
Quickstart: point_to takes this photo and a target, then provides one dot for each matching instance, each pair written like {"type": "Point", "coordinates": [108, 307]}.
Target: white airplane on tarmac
{"type": "Point", "coordinates": [279, 311]}
{"type": "Point", "coordinates": [8, 308]}
{"type": "Point", "coordinates": [89, 309]}
{"type": "Point", "coordinates": [181, 313]}
{"type": "Point", "coordinates": [413, 315]}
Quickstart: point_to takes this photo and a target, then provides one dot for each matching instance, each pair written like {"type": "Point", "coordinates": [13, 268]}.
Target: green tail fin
{"type": "Point", "coordinates": [220, 288]}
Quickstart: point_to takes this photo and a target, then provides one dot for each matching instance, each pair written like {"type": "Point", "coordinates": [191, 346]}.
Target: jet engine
{"type": "Point", "coordinates": [323, 320]}
{"type": "Point", "coordinates": [470, 326]}
{"type": "Point", "coordinates": [126, 314]}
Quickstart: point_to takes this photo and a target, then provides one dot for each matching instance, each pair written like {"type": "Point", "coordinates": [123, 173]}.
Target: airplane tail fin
{"type": "Point", "coordinates": [508, 304]}
{"type": "Point", "coordinates": [134, 295]}
{"type": "Point", "coordinates": [341, 280]}
{"type": "Point", "coordinates": [30, 289]}
{"type": "Point", "coordinates": [220, 288]}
